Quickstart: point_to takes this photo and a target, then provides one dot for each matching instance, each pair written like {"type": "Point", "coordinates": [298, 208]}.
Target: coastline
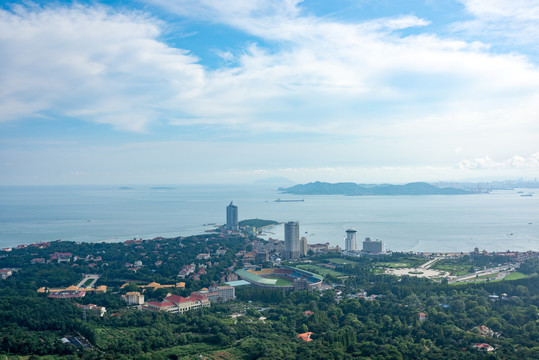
{"type": "Point", "coordinates": [420, 224]}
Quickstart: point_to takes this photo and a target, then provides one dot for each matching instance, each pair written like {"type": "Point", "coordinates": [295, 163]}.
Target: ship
{"type": "Point", "coordinates": [529, 194]}
{"type": "Point", "coordinates": [289, 200]}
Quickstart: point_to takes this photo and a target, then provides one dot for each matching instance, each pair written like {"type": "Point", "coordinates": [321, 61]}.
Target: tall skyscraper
{"type": "Point", "coordinates": [291, 240]}
{"type": "Point", "coordinates": [232, 217]}
{"type": "Point", "coordinates": [350, 241]}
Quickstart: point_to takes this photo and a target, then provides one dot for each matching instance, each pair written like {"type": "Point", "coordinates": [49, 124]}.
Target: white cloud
{"type": "Point", "coordinates": [90, 63]}
{"type": "Point", "coordinates": [388, 97]}
{"type": "Point", "coordinates": [509, 21]}
{"type": "Point", "coordinates": [501, 9]}
{"type": "Point", "coordinates": [515, 162]}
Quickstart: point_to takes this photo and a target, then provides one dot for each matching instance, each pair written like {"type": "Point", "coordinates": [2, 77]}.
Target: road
{"type": "Point", "coordinates": [502, 272]}
{"type": "Point", "coordinates": [429, 263]}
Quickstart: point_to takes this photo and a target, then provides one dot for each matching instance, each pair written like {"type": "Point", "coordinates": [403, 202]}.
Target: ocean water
{"type": "Point", "coordinates": [497, 221]}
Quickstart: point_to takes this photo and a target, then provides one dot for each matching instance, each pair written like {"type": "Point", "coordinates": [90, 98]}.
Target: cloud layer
{"type": "Point", "coordinates": [90, 63]}
{"type": "Point", "coordinates": [384, 92]}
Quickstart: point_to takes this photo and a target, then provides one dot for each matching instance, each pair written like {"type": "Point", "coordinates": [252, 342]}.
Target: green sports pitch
{"type": "Point", "coordinates": [280, 281]}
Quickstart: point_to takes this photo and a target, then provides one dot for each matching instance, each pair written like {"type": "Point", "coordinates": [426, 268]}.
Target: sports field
{"type": "Point", "coordinates": [280, 281]}
{"type": "Point", "coordinates": [319, 270]}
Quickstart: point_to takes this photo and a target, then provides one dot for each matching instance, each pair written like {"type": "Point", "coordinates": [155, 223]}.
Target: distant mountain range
{"type": "Point", "coordinates": [353, 189]}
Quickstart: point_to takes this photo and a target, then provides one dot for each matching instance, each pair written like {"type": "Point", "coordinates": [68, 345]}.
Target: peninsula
{"type": "Point", "coordinates": [353, 189]}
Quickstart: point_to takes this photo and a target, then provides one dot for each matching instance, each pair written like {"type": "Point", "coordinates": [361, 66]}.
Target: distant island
{"type": "Point", "coordinates": [257, 223]}
{"type": "Point", "coordinates": [161, 188]}
{"type": "Point", "coordinates": [353, 189]}
{"type": "Point", "coordinates": [125, 188]}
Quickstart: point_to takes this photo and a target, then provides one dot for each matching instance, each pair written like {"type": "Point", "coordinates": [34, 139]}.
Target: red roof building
{"type": "Point", "coordinates": [305, 336]}
{"type": "Point", "coordinates": [5, 273]}
{"type": "Point", "coordinates": [159, 306]}
{"type": "Point", "coordinates": [483, 346]}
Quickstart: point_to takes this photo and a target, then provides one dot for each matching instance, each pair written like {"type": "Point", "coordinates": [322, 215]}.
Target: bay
{"type": "Point", "coordinates": [497, 221]}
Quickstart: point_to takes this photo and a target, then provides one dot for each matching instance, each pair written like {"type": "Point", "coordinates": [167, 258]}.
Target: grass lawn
{"type": "Point", "coordinates": [390, 265]}
{"type": "Point", "coordinates": [280, 281]}
{"type": "Point", "coordinates": [451, 267]}
{"type": "Point", "coordinates": [340, 261]}
{"type": "Point", "coordinates": [318, 270]}
{"type": "Point", "coordinates": [515, 276]}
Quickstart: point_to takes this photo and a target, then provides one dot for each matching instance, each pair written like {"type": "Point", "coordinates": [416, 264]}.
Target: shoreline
{"type": "Point", "coordinates": [427, 254]}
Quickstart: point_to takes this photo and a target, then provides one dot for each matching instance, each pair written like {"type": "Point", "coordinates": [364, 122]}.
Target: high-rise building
{"type": "Point", "coordinates": [232, 217]}
{"type": "Point", "coordinates": [291, 240]}
{"type": "Point", "coordinates": [373, 246]}
{"type": "Point", "coordinates": [350, 241]}
{"type": "Point", "coordinates": [303, 246]}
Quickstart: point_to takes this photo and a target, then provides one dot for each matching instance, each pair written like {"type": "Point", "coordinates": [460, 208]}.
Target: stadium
{"type": "Point", "coordinates": [284, 278]}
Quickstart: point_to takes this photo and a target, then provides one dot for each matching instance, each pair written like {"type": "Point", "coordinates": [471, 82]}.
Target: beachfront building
{"type": "Point", "coordinates": [350, 243]}
{"type": "Point", "coordinates": [373, 246]}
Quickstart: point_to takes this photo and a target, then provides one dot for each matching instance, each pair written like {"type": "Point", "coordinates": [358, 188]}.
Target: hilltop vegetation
{"type": "Point", "coordinates": [262, 323]}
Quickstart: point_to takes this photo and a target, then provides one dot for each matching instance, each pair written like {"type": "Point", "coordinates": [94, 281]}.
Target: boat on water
{"type": "Point", "coordinates": [529, 194]}
{"type": "Point", "coordinates": [289, 200]}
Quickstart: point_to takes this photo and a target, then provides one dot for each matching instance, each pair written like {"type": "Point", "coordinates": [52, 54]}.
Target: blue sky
{"type": "Point", "coordinates": [180, 91]}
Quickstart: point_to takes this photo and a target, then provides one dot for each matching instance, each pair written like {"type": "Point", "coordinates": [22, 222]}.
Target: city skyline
{"type": "Point", "coordinates": [184, 91]}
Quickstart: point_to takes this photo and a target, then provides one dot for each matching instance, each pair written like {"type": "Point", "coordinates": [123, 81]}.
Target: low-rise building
{"type": "Point", "coordinates": [99, 310]}
{"type": "Point", "coordinates": [61, 257]}
{"type": "Point", "coordinates": [133, 298]}
{"type": "Point", "coordinates": [483, 346]}
{"type": "Point", "coordinates": [319, 248]}
{"type": "Point", "coordinates": [5, 273]}
{"type": "Point", "coordinates": [159, 306]}
{"type": "Point", "coordinates": [178, 304]}
{"type": "Point", "coordinates": [67, 294]}
{"type": "Point", "coordinates": [225, 293]}
{"type": "Point", "coordinates": [187, 270]}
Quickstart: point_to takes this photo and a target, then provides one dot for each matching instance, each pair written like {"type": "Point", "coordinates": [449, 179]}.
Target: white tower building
{"type": "Point", "coordinates": [350, 241]}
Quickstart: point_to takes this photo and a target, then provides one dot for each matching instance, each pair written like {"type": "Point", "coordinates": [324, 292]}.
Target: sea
{"type": "Point", "coordinates": [497, 221]}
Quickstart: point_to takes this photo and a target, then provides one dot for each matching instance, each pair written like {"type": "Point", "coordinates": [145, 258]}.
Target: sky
{"type": "Point", "coordinates": [207, 91]}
